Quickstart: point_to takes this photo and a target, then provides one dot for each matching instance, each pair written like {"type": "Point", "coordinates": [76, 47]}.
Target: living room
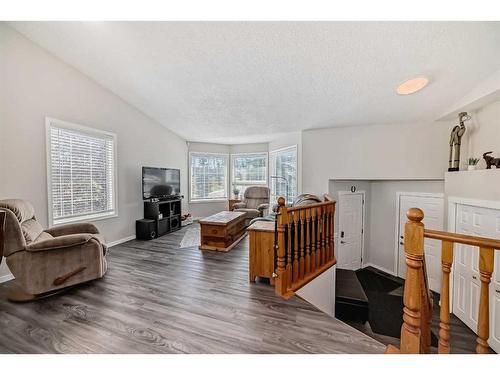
{"type": "Point", "coordinates": [249, 187]}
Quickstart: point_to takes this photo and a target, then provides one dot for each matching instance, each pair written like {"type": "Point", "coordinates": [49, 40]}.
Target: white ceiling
{"type": "Point", "coordinates": [234, 82]}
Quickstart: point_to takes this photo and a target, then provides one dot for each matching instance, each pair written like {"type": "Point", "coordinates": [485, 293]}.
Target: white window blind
{"type": "Point", "coordinates": [208, 176]}
{"type": "Point", "coordinates": [284, 164]}
{"type": "Point", "coordinates": [81, 172]}
{"type": "Point", "coordinates": [248, 170]}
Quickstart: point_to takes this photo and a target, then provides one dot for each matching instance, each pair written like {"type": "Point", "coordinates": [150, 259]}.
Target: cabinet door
{"type": "Point", "coordinates": [494, 340]}
{"type": "Point", "coordinates": [484, 222]}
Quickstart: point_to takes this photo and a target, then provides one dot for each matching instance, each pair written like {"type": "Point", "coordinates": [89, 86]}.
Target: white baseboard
{"type": "Point", "coordinates": [5, 278]}
{"type": "Point", "coordinates": [390, 272]}
{"type": "Point", "coordinates": [122, 240]}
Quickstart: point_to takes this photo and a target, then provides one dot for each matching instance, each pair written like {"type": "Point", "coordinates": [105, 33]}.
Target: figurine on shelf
{"type": "Point", "coordinates": [490, 160]}
{"type": "Point", "coordinates": [455, 141]}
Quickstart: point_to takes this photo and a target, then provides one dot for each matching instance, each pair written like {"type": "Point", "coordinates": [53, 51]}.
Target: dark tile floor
{"type": "Point", "coordinates": [463, 339]}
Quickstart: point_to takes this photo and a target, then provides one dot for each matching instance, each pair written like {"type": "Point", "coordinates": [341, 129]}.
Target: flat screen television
{"type": "Point", "coordinates": [160, 182]}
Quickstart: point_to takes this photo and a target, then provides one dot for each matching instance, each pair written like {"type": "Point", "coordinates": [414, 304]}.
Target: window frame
{"type": "Point", "coordinates": [226, 182]}
{"type": "Point", "coordinates": [49, 122]}
{"type": "Point", "coordinates": [266, 173]}
{"type": "Point", "coordinates": [274, 153]}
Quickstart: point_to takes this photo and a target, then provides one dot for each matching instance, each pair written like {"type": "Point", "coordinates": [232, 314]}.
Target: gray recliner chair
{"type": "Point", "coordinates": [45, 261]}
{"type": "Point", "coordinates": [255, 203]}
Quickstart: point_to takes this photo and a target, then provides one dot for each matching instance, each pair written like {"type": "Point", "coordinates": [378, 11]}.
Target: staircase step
{"type": "Point", "coordinates": [351, 302]}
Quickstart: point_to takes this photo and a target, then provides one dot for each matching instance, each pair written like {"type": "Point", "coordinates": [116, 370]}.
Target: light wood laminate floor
{"type": "Point", "coordinates": [159, 298]}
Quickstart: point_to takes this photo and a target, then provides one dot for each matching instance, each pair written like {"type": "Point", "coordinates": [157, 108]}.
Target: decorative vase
{"type": "Point", "coordinates": [471, 167]}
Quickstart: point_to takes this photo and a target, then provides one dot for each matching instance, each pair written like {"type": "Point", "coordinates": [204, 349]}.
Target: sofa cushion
{"type": "Point", "coordinates": [23, 210]}
{"type": "Point", "coordinates": [31, 230]}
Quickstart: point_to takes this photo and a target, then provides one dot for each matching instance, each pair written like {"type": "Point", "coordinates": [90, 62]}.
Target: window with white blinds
{"type": "Point", "coordinates": [284, 174]}
{"type": "Point", "coordinates": [208, 176]}
{"type": "Point", "coordinates": [248, 170]}
{"type": "Point", "coordinates": [81, 172]}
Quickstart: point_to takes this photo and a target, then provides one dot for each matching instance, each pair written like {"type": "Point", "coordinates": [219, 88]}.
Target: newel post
{"type": "Point", "coordinates": [414, 250]}
{"type": "Point", "coordinates": [281, 279]}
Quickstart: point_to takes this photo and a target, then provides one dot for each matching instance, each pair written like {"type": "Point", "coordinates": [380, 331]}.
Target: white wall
{"type": "Point", "coordinates": [34, 84]}
{"type": "Point", "coordinates": [482, 134]}
{"type": "Point", "coordinates": [380, 251]}
{"type": "Point", "coordinates": [380, 214]}
{"type": "Point", "coordinates": [413, 151]}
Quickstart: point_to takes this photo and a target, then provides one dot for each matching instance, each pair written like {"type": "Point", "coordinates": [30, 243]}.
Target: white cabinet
{"type": "Point", "coordinates": [483, 222]}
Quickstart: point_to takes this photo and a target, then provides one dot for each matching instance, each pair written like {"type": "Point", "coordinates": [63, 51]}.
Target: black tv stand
{"type": "Point", "coordinates": [166, 214]}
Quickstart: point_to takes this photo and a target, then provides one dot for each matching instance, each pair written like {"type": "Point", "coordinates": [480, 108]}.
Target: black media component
{"type": "Point", "coordinates": [145, 229]}
{"type": "Point", "coordinates": [161, 192]}
{"type": "Point", "coordinates": [161, 183]}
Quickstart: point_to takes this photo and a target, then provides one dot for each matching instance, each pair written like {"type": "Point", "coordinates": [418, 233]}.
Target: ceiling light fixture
{"type": "Point", "coordinates": [412, 86]}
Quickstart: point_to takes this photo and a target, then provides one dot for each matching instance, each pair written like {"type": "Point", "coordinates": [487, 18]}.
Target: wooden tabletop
{"type": "Point", "coordinates": [222, 218]}
{"type": "Point", "coordinates": [262, 226]}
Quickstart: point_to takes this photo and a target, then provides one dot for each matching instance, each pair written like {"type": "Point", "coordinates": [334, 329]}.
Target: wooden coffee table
{"type": "Point", "coordinates": [222, 231]}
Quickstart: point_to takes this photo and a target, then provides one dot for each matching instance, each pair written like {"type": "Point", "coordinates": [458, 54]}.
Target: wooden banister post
{"type": "Point", "coordinates": [486, 258]}
{"type": "Point", "coordinates": [444, 314]}
{"type": "Point", "coordinates": [281, 282]}
{"type": "Point", "coordinates": [414, 250]}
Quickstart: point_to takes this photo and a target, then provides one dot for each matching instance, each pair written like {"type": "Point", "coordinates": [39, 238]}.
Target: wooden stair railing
{"type": "Point", "coordinates": [304, 244]}
{"type": "Point", "coordinates": [417, 311]}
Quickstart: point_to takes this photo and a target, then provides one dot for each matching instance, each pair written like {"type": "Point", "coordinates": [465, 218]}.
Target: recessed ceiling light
{"type": "Point", "coordinates": [412, 85]}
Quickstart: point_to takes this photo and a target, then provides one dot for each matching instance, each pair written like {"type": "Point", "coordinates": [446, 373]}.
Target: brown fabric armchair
{"type": "Point", "coordinates": [45, 261]}
{"type": "Point", "coordinates": [255, 203]}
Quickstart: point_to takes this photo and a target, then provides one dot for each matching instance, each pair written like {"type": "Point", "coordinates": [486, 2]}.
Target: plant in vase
{"type": "Point", "coordinates": [236, 193]}
{"type": "Point", "coordinates": [471, 163]}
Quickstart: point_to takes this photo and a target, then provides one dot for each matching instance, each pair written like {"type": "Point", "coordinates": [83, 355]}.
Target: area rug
{"type": "Point", "coordinates": [191, 238]}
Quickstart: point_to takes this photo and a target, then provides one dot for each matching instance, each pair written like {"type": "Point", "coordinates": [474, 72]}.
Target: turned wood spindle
{"type": "Point", "coordinates": [295, 223]}
{"type": "Point", "coordinates": [281, 279]}
{"type": "Point", "coordinates": [302, 261]}
{"type": "Point", "coordinates": [307, 238]}
{"type": "Point", "coordinates": [414, 250]}
{"type": "Point", "coordinates": [486, 258]}
{"type": "Point", "coordinates": [444, 314]}
{"type": "Point", "coordinates": [313, 240]}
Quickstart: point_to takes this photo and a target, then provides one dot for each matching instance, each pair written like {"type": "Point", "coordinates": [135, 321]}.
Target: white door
{"type": "Point", "coordinates": [350, 232]}
{"type": "Point", "coordinates": [433, 208]}
{"type": "Point", "coordinates": [483, 222]}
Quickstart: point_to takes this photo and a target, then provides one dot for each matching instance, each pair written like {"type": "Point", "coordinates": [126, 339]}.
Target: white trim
{"type": "Point", "coordinates": [363, 213]}
{"type": "Point", "coordinates": [120, 241]}
{"type": "Point", "coordinates": [89, 131]}
{"type": "Point", "coordinates": [386, 270]}
{"type": "Point", "coordinates": [475, 202]}
{"type": "Point", "coordinates": [5, 278]}
{"type": "Point", "coordinates": [215, 200]}
{"type": "Point", "coordinates": [282, 149]}
{"type": "Point", "coordinates": [399, 194]}
{"type": "Point", "coordinates": [208, 200]}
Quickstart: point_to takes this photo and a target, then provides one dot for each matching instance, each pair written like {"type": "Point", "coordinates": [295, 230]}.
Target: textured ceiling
{"type": "Point", "coordinates": [249, 81]}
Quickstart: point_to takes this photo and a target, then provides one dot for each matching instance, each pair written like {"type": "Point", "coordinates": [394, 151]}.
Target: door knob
{"type": "Point", "coordinates": [401, 243]}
